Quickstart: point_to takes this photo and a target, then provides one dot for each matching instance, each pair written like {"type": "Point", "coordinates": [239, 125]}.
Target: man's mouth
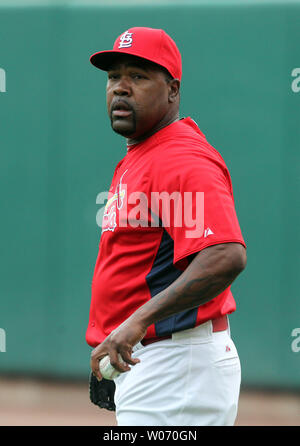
{"type": "Point", "coordinates": [121, 113]}
{"type": "Point", "coordinates": [121, 110]}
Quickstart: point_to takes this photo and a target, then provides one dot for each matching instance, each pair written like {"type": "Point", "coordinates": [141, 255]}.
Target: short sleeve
{"type": "Point", "coordinates": [192, 195]}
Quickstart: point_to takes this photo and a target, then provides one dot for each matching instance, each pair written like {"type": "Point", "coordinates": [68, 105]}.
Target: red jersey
{"type": "Point", "coordinates": [171, 196]}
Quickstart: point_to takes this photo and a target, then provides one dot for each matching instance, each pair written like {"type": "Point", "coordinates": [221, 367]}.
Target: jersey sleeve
{"type": "Point", "coordinates": [196, 203]}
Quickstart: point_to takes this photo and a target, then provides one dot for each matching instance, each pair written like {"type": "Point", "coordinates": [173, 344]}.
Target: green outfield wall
{"type": "Point", "coordinates": [241, 84]}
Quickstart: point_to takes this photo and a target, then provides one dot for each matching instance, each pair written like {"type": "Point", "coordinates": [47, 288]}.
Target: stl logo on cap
{"type": "Point", "coordinates": [125, 40]}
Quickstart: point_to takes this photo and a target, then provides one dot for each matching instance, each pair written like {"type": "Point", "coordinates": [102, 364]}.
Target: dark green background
{"type": "Point", "coordinates": [58, 152]}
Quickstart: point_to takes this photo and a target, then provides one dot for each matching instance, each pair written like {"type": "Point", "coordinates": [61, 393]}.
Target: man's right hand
{"type": "Point", "coordinates": [120, 341]}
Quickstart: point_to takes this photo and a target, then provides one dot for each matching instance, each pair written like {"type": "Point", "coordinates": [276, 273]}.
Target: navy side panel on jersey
{"type": "Point", "coordinates": [162, 274]}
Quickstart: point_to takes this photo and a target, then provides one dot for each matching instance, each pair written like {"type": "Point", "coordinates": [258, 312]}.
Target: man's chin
{"type": "Point", "coordinates": [123, 128]}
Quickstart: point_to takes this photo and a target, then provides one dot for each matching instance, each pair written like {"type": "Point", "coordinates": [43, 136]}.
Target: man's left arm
{"type": "Point", "coordinates": [212, 270]}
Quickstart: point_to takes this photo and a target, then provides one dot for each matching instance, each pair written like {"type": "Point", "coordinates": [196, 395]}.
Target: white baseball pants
{"type": "Point", "coordinates": [192, 379]}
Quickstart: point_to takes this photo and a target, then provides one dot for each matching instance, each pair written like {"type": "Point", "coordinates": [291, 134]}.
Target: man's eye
{"type": "Point", "coordinates": [137, 76]}
{"type": "Point", "coordinates": [112, 76]}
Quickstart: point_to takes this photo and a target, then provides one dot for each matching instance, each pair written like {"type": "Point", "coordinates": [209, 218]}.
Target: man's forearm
{"type": "Point", "coordinates": [210, 273]}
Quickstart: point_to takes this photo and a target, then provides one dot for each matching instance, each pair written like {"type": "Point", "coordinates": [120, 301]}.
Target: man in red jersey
{"type": "Point", "coordinates": [170, 248]}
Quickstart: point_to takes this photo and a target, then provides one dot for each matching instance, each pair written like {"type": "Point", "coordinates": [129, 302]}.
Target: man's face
{"type": "Point", "coordinates": [137, 95]}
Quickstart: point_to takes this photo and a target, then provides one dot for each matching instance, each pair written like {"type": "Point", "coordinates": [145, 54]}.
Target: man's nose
{"type": "Point", "coordinates": [122, 87]}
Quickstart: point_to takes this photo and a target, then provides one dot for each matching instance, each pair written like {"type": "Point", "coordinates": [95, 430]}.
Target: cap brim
{"type": "Point", "coordinates": [104, 59]}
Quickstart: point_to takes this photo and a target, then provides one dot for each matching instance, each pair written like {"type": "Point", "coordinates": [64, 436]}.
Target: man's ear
{"type": "Point", "coordinates": [174, 86]}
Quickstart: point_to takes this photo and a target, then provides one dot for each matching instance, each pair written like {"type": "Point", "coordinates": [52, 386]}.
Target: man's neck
{"type": "Point", "coordinates": [160, 126]}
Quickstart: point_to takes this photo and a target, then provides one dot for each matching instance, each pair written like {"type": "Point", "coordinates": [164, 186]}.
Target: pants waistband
{"type": "Point", "coordinates": [218, 324]}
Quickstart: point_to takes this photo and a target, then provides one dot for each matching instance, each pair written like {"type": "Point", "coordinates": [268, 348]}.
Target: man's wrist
{"type": "Point", "coordinates": [143, 316]}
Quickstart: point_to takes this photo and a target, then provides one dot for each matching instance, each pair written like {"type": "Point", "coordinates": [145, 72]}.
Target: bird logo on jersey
{"type": "Point", "coordinates": [109, 222]}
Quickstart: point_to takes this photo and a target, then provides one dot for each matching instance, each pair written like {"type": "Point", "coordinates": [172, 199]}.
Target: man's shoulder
{"type": "Point", "coordinates": [183, 130]}
{"type": "Point", "coordinates": [184, 141]}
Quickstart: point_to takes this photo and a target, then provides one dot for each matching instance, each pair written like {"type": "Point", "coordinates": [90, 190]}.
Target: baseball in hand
{"type": "Point", "coordinates": [107, 370]}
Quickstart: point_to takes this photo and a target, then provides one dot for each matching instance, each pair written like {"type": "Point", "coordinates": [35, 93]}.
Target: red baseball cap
{"type": "Point", "coordinates": [151, 44]}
